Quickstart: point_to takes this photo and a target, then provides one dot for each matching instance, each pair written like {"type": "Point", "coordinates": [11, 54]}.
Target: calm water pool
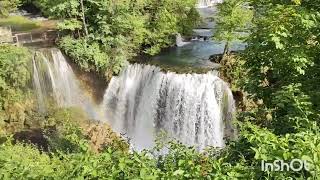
{"type": "Point", "coordinates": [195, 54]}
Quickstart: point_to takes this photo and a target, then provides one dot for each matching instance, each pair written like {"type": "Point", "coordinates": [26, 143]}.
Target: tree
{"type": "Point", "coordinates": [84, 18]}
{"type": "Point", "coordinates": [7, 6]}
{"type": "Point", "coordinates": [282, 59]}
{"type": "Point", "coordinates": [232, 20]}
{"type": "Point", "coordinates": [119, 29]}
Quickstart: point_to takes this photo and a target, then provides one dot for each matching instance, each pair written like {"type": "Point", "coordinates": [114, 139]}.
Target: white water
{"type": "Point", "coordinates": [142, 101]}
{"type": "Point", "coordinates": [180, 41]}
{"type": "Point", "coordinates": [55, 80]}
{"type": "Point", "coordinates": [192, 108]}
{"type": "Point", "coordinates": [208, 3]}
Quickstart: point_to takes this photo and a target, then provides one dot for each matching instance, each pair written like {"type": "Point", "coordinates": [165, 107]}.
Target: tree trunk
{"type": "Point", "coordinates": [226, 50]}
{"type": "Point", "coordinates": [84, 19]}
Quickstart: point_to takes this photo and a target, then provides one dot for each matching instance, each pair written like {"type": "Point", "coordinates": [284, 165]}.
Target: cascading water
{"type": "Point", "coordinates": [180, 41]}
{"type": "Point", "coordinates": [55, 80]}
{"type": "Point", "coordinates": [208, 3]}
{"type": "Point", "coordinates": [195, 109]}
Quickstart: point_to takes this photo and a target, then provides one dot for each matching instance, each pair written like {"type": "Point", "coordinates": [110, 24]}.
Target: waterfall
{"type": "Point", "coordinates": [179, 40]}
{"type": "Point", "coordinates": [207, 3]}
{"type": "Point", "coordinates": [195, 109]}
{"type": "Point", "coordinates": [37, 86]}
{"type": "Point", "coordinates": [54, 80]}
{"type": "Point", "coordinates": [142, 101]}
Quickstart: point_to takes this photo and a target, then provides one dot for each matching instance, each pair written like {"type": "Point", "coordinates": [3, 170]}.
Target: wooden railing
{"type": "Point", "coordinates": [35, 37]}
{"type": "Point", "coordinates": [19, 39]}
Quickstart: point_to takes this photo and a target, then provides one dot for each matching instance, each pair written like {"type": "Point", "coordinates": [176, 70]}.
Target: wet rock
{"type": "Point", "coordinates": [33, 136]}
{"type": "Point", "coordinates": [216, 58]}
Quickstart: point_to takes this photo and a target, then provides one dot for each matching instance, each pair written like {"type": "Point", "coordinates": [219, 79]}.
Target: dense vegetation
{"type": "Point", "coordinates": [14, 96]}
{"type": "Point", "coordinates": [7, 6]}
{"type": "Point", "coordinates": [102, 35]}
{"type": "Point", "coordinates": [279, 72]}
{"type": "Point", "coordinates": [232, 21]}
{"type": "Point", "coordinates": [281, 63]}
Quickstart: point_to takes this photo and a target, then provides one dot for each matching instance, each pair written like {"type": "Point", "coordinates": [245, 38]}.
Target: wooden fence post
{"type": "Point", "coordinates": [17, 39]}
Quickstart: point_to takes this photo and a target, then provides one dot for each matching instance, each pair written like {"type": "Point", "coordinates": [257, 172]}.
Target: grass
{"type": "Point", "coordinates": [19, 23]}
{"type": "Point", "coordinates": [23, 24]}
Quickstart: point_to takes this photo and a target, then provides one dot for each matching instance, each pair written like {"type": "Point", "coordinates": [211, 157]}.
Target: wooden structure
{"type": "Point", "coordinates": [35, 37]}
{"type": "Point", "coordinates": [19, 39]}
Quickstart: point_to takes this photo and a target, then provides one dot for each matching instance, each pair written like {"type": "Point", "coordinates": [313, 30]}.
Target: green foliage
{"type": "Point", "coordinates": [280, 66]}
{"type": "Point", "coordinates": [90, 56]}
{"type": "Point", "coordinates": [26, 162]}
{"type": "Point", "coordinates": [14, 69]}
{"type": "Point", "coordinates": [120, 29]}
{"type": "Point", "coordinates": [14, 77]}
{"type": "Point", "coordinates": [19, 23]}
{"type": "Point", "coordinates": [293, 109]}
{"type": "Point", "coordinates": [285, 38]}
{"type": "Point", "coordinates": [165, 19]}
{"type": "Point", "coordinates": [233, 18]}
{"type": "Point", "coordinates": [71, 24]}
{"type": "Point", "coordinates": [269, 147]}
{"type": "Point", "coordinates": [179, 161]}
{"type": "Point", "coordinates": [281, 58]}
{"type": "Point", "coordinates": [7, 6]}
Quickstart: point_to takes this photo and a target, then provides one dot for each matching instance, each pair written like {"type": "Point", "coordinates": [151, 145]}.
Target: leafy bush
{"type": "Point", "coordinates": [233, 19]}
{"type": "Point", "coordinates": [269, 147]}
{"type": "Point", "coordinates": [108, 33]}
{"type": "Point", "coordinates": [26, 162]}
{"type": "Point", "coordinates": [179, 161]}
{"type": "Point", "coordinates": [90, 57]}
{"type": "Point", "coordinates": [7, 6]}
{"type": "Point", "coordinates": [15, 100]}
{"type": "Point", "coordinates": [280, 66]}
